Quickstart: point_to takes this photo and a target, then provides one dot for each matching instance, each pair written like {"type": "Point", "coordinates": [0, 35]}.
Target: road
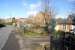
{"type": "Point", "coordinates": [12, 43]}
{"type": "Point", "coordinates": [7, 38]}
{"type": "Point", "coordinates": [12, 40]}
{"type": "Point", "coordinates": [4, 34]}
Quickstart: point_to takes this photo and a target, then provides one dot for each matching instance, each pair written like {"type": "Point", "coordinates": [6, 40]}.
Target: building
{"type": "Point", "coordinates": [64, 24]}
{"type": "Point", "coordinates": [60, 24]}
{"type": "Point", "coordinates": [24, 22]}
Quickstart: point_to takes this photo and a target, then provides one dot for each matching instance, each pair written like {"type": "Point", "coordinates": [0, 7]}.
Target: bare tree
{"type": "Point", "coordinates": [49, 13]}
{"type": "Point", "coordinates": [48, 17]}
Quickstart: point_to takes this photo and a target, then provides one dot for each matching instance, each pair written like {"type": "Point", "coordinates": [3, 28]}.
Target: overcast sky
{"type": "Point", "coordinates": [24, 8]}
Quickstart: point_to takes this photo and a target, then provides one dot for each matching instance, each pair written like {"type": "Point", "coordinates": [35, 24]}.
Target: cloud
{"type": "Point", "coordinates": [71, 0]}
{"type": "Point", "coordinates": [25, 4]}
{"type": "Point", "coordinates": [32, 8]}
{"type": "Point", "coordinates": [32, 13]}
{"type": "Point", "coordinates": [35, 6]}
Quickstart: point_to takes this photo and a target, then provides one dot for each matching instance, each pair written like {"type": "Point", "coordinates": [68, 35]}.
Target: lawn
{"type": "Point", "coordinates": [32, 34]}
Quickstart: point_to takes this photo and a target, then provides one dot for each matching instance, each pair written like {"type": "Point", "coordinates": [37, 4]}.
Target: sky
{"type": "Point", "coordinates": [24, 8]}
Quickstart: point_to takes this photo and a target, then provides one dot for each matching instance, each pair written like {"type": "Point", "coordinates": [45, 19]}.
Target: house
{"type": "Point", "coordinates": [64, 24]}
{"type": "Point", "coordinates": [59, 25]}
{"type": "Point", "coordinates": [22, 22]}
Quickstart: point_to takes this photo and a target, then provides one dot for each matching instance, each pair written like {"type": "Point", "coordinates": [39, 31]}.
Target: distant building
{"type": "Point", "coordinates": [69, 25]}
{"type": "Point", "coordinates": [20, 22]}
{"type": "Point", "coordinates": [60, 24]}
{"type": "Point", "coordinates": [64, 24]}
{"type": "Point", "coordinates": [23, 22]}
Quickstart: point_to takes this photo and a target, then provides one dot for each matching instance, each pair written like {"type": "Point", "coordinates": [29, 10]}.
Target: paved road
{"type": "Point", "coordinates": [5, 34]}
{"type": "Point", "coordinates": [12, 43]}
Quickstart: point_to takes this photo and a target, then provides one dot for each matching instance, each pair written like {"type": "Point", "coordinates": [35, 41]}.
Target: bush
{"type": "Point", "coordinates": [58, 34]}
{"type": "Point", "coordinates": [2, 25]}
{"type": "Point", "coordinates": [9, 23]}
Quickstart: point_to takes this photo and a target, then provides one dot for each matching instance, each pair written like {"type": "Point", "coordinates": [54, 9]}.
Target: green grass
{"type": "Point", "coordinates": [31, 34]}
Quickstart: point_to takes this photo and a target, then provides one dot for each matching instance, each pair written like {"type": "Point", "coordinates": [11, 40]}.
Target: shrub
{"type": "Point", "coordinates": [58, 34]}
{"type": "Point", "coordinates": [2, 25]}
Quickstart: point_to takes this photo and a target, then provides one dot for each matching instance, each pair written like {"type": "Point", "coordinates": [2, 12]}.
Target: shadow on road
{"type": "Point", "coordinates": [12, 43]}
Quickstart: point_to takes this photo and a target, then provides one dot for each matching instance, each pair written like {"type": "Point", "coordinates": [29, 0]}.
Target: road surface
{"type": "Point", "coordinates": [7, 38]}
{"type": "Point", "coordinates": [12, 43]}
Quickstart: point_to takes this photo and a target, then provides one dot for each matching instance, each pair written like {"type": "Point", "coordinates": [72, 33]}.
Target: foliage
{"type": "Point", "coordinates": [53, 23]}
{"type": "Point", "coordinates": [57, 34]}
{"type": "Point", "coordinates": [49, 28]}
{"type": "Point", "coordinates": [2, 25]}
{"type": "Point", "coordinates": [32, 34]}
{"type": "Point", "coordinates": [13, 20]}
{"type": "Point", "coordinates": [9, 23]}
{"type": "Point", "coordinates": [35, 32]}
